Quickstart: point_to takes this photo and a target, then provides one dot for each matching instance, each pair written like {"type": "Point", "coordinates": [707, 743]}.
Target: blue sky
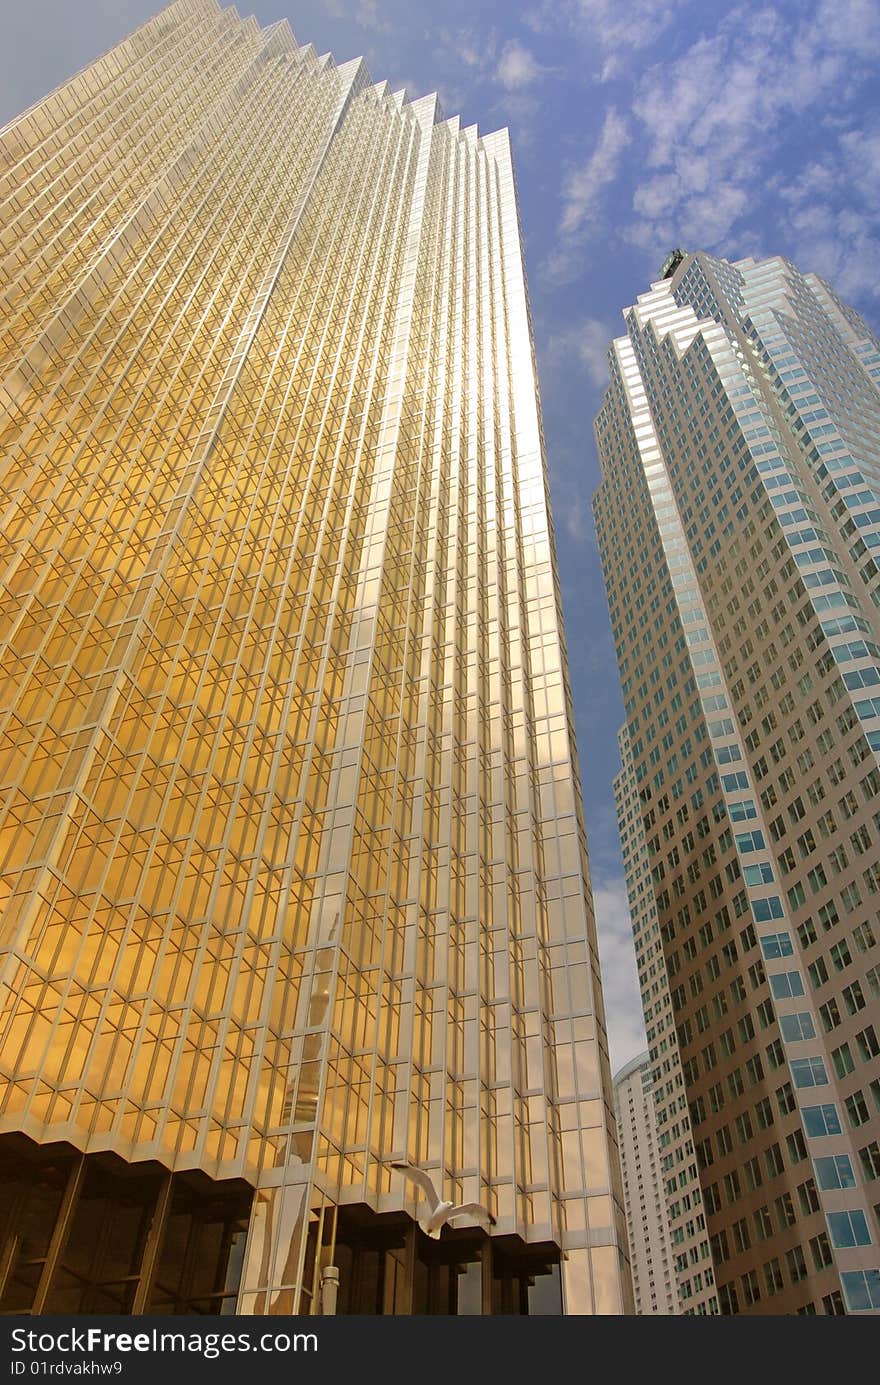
{"type": "Point", "coordinates": [637, 125]}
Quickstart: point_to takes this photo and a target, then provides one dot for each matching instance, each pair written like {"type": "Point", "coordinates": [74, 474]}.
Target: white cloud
{"type": "Point", "coordinates": [832, 219]}
{"type": "Point", "coordinates": [652, 199]}
{"type": "Point", "coordinates": [517, 67]}
{"type": "Point", "coordinates": [453, 99]}
{"type": "Point", "coordinates": [716, 118]}
{"type": "Point", "coordinates": [620, 984]}
{"type": "Point", "coordinates": [716, 123]}
{"type": "Point", "coordinates": [586, 343]}
{"type": "Point", "coordinates": [583, 186]}
{"type": "Point", "coordinates": [816, 182]}
{"type": "Point", "coordinates": [575, 511]}
{"type": "Point", "coordinates": [572, 512]}
{"type": "Point", "coordinates": [468, 53]}
{"type": "Point", "coordinates": [634, 25]}
{"type": "Point", "coordinates": [842, 246]}
{"type": "Point", "coordinates": [609, 28]}
{"type": "Point", "coordinates": [518, 109]}
{"type": "Point", "coordinates": [861, 149]}
{"type": "Point", "coordinates": [367, 15]}
{"type": "Point", "coordinates": [591, 347]}
{"type": "Point", "coordinates": [473, 48]}
{"type": "Point", "coordinates": [582, 197]}
{"type": "Point", "coordinates": [851, 25]}
{"type": "Point", "coordinates": [563, 263]}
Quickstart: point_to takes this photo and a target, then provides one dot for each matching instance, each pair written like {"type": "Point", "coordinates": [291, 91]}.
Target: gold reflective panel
{"type": "Point", "coordinates": [291, 862]}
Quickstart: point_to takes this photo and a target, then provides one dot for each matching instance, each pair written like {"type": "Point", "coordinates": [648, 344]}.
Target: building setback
{"type": "Point", "coordinates": [738, 520]}
{"type": "Point", "coordinates": [293, 869]}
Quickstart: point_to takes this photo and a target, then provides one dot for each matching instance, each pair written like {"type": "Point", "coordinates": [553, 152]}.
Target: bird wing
{"type": "Point", "coordinates": [472, 1209]}
{"type": "Point", "coordinates": [421, 1179]}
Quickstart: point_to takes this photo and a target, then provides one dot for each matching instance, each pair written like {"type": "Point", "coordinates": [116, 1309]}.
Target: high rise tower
{"type": "Point", "coordinates": [294, 878]}
{"type": "Point", "coordinates": [675, 1207]}
{"type": "Point", "coordinates": [655, 1285]}
{"type": "Point", "coordinates": [738, 518]}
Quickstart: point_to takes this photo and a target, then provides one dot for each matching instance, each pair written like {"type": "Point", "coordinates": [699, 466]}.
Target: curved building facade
{"type": "Point", "coordinates": [740, 449]}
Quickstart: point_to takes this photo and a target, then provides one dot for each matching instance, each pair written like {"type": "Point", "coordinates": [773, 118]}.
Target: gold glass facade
{"type": "Point", "coordinates": [293, 871]}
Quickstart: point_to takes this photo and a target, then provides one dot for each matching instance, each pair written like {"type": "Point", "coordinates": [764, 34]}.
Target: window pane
{"type": "Point", "coordinates": [835, 1171]}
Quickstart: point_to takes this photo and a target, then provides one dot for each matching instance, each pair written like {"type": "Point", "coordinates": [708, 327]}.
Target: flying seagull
{"type": "Point", "coordinates": [438, 1213]}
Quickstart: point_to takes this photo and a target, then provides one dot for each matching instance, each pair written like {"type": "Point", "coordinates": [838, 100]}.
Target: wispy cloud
{"type": "Point", "coordinates": [832, 216]}
{"type": "Point", "coordinates": [582, 192]}
{"type": "Point", "coordinates": [572, 513]}
{"type": "Point", "coordinates": [573, 365]}
{"type": "Point", "coordinates": [585, 343]}
{"type": "Point", "coordinates": [573, 510]}
{"type": "Point", "coordinates": [609, 30]}
{"type": "Point", "coordinates": [583, 185]}
{"type": "Point", "coordinates": [474, 48]}
{"type": "Point", "coordinates": [620, 985]}
{"type": "Point", "coordinates": [519, 109]}
{"type": "Point", "coordinates": [718, 117]}
{"type": "Point", "coordinates": [469, 52]}
{"type": "Point", "coordinates": [517, 67]}
{"type": "Point", "coordinates": [367, 13]}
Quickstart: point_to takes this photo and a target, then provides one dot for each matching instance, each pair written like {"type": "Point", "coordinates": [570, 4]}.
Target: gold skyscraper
{"type": "Point", "coordinates": [294, 878]}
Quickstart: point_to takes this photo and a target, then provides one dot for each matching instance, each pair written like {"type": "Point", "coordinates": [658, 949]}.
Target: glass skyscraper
{"type": "Point", "coordinates": [293, 873]}
{"type": "Point", "coordinates": [739, 524]}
